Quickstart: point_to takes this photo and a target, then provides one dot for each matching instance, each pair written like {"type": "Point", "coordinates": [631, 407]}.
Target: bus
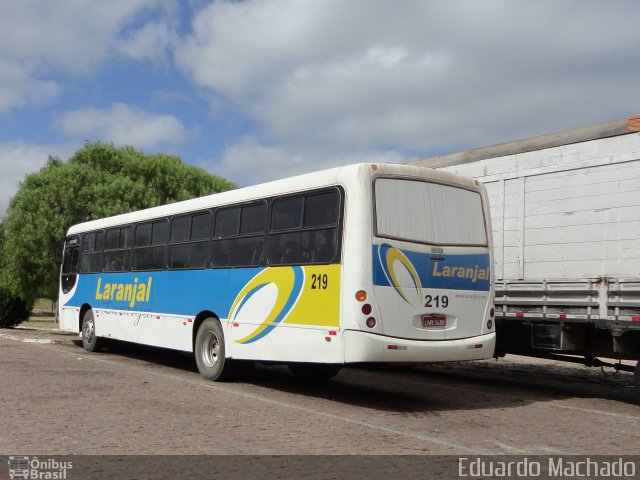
{"type": "Point", "coordinates": [367, 263]}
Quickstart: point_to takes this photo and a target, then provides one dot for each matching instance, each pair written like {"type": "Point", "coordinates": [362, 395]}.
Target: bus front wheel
{"type": "Point", "coordinates": [210, 352]}
{"type": "Point", "coordinates": [90, 340]}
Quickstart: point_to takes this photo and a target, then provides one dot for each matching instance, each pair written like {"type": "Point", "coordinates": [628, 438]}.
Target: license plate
{"type": "Point", "coordinates": [434, 321]}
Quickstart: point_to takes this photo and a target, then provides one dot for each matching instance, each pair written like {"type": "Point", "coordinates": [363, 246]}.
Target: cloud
{"type": "Point", "coordinates": [19, 158]}
{"type": "Point", "coordinates": [416, 76]}
{"type": "Point", "coordinates": [123, 125]}
{"type": "Point", "coordinates": [39, 41]}
{"type": "Point", "coordinates": [74, 36]}
{"type": "Point", "coordinates": [151, 42]}
{"type": "Point", "coordinates": [19, 87]}
{"type": "Point", "coordinates": [248, 162]}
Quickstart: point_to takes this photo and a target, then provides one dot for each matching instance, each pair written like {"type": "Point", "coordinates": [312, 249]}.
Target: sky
{"type": "Point", "coordinates": [263, 89]}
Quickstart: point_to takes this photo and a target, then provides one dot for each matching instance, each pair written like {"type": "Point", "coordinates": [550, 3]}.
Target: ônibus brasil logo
{"type": "Point", "coordinates": [34, 468]}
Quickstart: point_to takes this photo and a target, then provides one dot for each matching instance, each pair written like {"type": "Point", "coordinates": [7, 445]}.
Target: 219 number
{"type": "Point", "coordinates": [438, 301]}
{"type": "Point", "coordinates": [319, 281]}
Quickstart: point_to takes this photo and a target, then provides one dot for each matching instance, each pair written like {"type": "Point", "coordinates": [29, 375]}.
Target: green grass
{"type": "Point", "coordinates": [44, 304]}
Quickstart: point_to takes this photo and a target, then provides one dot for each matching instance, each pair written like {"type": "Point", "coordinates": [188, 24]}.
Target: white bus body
{"type": "Point", "coordinates": [405, 277]}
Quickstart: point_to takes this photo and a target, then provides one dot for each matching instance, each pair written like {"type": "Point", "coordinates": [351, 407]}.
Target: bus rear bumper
{"type": "Point", "coordinates": [368, 347]}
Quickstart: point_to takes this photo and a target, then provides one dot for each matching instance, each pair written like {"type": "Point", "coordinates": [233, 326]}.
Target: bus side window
{"type": "Point", "coordinates": [322, 211]}
{"type": "Point", "coordinates": [190, 241]}
{"type": "Point", "coordinates": [150, 250]}
{"type": "Point", "coordinates": [97, 257]}
{"type": "Point", "coordinates": [91, 258]}
{"type": "Point", "coordinates": [88, 241]}
{"type": "Point", "coordinates": [117, 249]}
{"type": "Point", "coordinates": [239, 236]}
{"type": "Point", "coordinates": [304, 229]}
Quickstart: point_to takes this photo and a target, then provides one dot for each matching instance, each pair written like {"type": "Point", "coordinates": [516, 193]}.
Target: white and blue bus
{"type": "Point", "coordinates": [363, 263]}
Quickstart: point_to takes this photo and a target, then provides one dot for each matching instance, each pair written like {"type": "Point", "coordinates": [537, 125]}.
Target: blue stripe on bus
{"type": "Point", "coordinates": [453, 272]}
{"type": "Point", "coordinates": [171, 292]}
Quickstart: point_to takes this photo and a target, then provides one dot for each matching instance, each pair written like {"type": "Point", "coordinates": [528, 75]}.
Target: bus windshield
{"type": "Point", "coordinates": [425, 212]}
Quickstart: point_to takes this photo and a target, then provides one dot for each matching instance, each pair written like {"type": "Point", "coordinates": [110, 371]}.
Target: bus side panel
{"type": "Point", "coordinates": [117, 324]}
{"type": "Point", "coordinates": [287, 344]}
{"type": "Point", "coordinates": [277, 313]}
{"type": "Point", "coordinates": [286, 314]}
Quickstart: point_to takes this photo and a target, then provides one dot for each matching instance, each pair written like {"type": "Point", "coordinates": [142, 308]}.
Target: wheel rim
{"type": "Point", "coordinates": [87, 330]}
{"type": "Point", "coordinates": [210, 353]}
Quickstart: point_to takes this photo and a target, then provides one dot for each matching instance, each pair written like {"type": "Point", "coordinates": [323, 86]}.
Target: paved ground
{"type": "Point", "coordinates": [58, 399]}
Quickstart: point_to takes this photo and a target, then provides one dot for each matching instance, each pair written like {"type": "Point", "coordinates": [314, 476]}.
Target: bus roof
{"type": "Point", "coordinates": [333, 176]}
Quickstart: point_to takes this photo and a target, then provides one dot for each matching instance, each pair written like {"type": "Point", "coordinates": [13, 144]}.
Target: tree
{"type": "Point", "coordinates": [13, 310]}
{"type": "Point", "coordinates": [99, 180]}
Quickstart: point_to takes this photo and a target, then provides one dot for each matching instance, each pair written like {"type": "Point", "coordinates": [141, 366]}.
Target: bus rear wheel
{"type": "Point", "coordinates": [315, 371]}
{"type": "Point", "coordinates": [90, 340]}
{"type": "Point", "coordinates": [210, 352]}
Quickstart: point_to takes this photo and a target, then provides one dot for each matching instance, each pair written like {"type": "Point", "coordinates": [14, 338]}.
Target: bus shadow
{"type": "Point", "coordinates": [424, 390]}
{"type": "Point", "coordinates": [381, 388]}
{"type": "Point", "coordinates": [543, 380]}
{"type": "Point", "coordinates": [455, 386]}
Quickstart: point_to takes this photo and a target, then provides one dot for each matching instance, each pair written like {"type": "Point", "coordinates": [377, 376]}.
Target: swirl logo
{"type": "Point", "coordinates": [288, 282]}
{"type": "Point", "coordinates": [390, 258]}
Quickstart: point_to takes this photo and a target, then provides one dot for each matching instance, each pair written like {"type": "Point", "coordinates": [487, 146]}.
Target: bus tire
{"type": "Point", "coordinates": [315, 371]}
{"type": "Point", "coordinates": [90, 340]}
{"type": "Point", "coordinates": [210, 352]}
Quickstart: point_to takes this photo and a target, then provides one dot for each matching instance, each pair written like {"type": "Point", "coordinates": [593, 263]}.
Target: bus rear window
{"type": "Point", "coordinates": [424, 212]}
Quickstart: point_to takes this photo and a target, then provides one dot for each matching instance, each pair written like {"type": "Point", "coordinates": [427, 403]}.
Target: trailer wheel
{"type": "Point", "coordinates": [90, 340]}
{"type": "Point", "coordinates": [210, 352]}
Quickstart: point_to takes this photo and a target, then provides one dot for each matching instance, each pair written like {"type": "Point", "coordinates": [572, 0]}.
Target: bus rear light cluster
{"type": "Point", "coordinates": [489, 324]}
{"type": "Point", "coordinates": [361, 296]}
{"type": "Point", "coordinates": [366, 309]}
{"type": "Point", "coordinates": [492, 312]}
